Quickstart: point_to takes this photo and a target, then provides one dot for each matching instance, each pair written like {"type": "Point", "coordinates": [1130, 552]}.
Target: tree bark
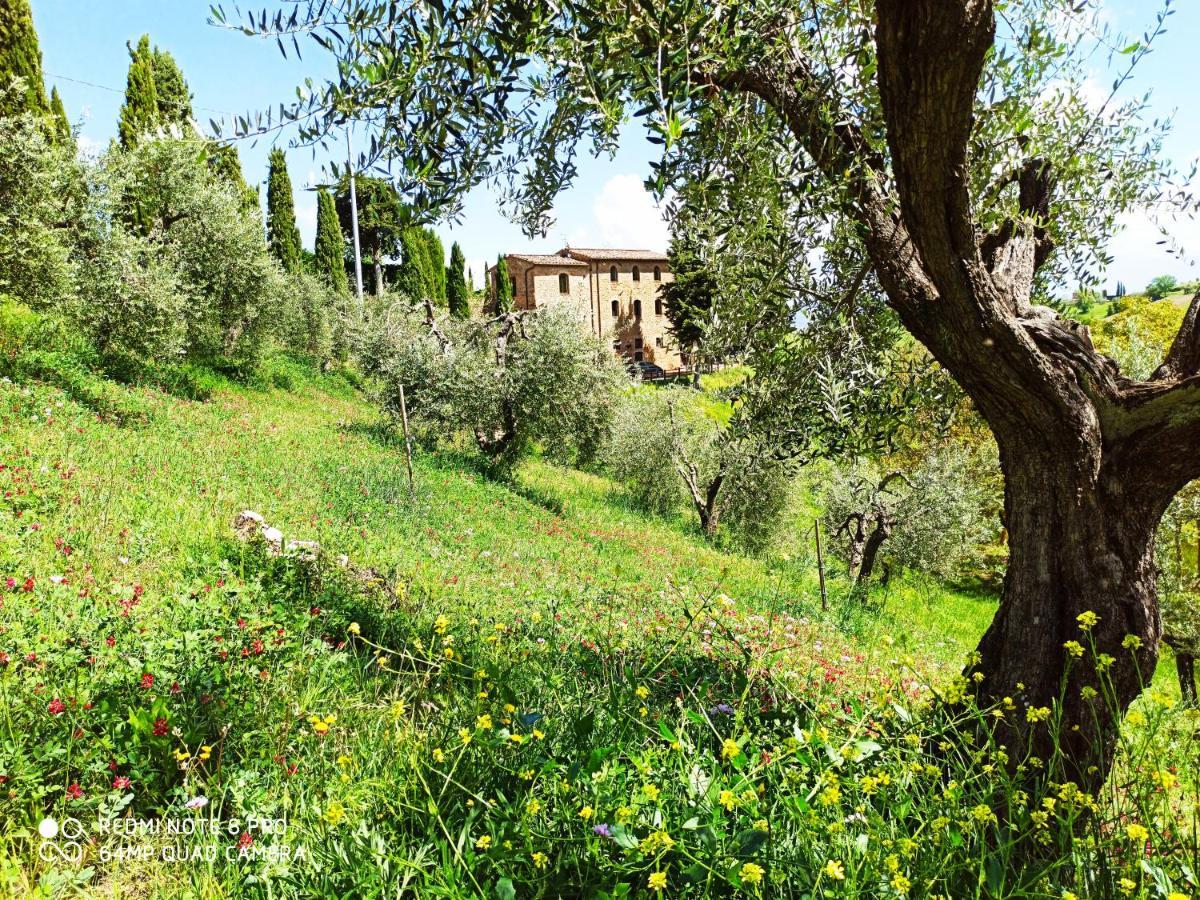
{"type": "Point", "coordinates": [1079, 541]}
{"type": "Point", "coordinates": [1185, 668]}
{"type": "Point", "coordinates": [881, 532]}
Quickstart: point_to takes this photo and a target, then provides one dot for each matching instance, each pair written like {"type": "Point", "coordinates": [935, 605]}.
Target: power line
{"type": "Point", "coordinates": [105, 87]}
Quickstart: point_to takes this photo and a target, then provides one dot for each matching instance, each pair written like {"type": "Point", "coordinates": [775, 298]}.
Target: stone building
{"type": "Point", "coordinates": [614, 292]}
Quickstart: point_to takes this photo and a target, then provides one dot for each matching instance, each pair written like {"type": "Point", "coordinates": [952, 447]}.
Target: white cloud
{"type": "Point", "coordinates": [625, 216]}
{"type": "Point", "coordinates": [87, 147]}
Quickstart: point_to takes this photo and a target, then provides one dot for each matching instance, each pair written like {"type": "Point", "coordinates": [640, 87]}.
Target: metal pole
{"type": "Point", "coordinates": [821, 565]}
{"type": "Point", "coordinates": [354, 220]}
{"type": "Point", "coordinates": [407, 442]}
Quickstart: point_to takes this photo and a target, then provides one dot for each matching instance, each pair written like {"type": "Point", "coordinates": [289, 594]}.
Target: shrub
{"type": "Point", "coordinates": [128, 301]}
{"type": "Point", "coordinates": [638, 453]}
{"type": "Point", "coordinates": [941, 513]}
{"type": "Point", "coordinates": [553, 385]}
{"type": "Point", "coordinates": [307, 310]}
{"type": "Point", "coordinates": [40, 185]}
{"type": "Point", "coordinates": [197, 224]}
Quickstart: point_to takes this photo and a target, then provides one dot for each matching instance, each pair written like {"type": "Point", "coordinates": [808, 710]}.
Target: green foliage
{"type": "Point", "coordinates": [457, 297]}
{"type": "Point", "coordinates": [330, 247]}
{"type": "Point", "coordinates": [128, 298]}
{"type": "Point", "coordinates": [688, 298]}
{"type": "Point", "coordinates": [173, 100]}
{"type": "Point", "coordinates": [1139, 334]}
{"type": "Point", "coordinates": [308, 312]}
{"type": "Point", "coordinates": [381, 218]}
{"type": "Point", "coordinates": [944, 512]}
{"type": "Point", "coordinates": [225, 163]}
{"type": "Point", "coordinates": [1162, 286]}
{"type": "Point", "coordinates": [61, 124]}
{"type": "Point", "coordinates": [283, 237]}
{"type": "Point", "coordinates": [551, 386]}
{"type": "Point", "coordinates": [140, 113]}
{"type": "Point", "coordinates": [435, 261]}
{"type": "Point", "coordinates": [20, 57]}
{"type": "Point", "coordinates": [413, 278]}
{"type": "Point", "coordinates": [620, 651]}
{"type": "Point", "coordinates": [502, 288]}
{"type": "Point", "coordinates": [40, 183]}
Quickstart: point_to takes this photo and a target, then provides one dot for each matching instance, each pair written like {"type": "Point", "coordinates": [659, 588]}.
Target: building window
{"type": "Point", "coordinates": [612, 274]}
{"type": "Point", "coordinates": [637, 309]}
{"type": "Point", "coordinates": [637, 343]}
{"type": "Point", "coordinates": [616, 309]}
{"type": "Point", "coordinates": [658, 342]}
{"type": "Point", "coordinates": [564, 284]}
{"type": "Point", "coordinates": [637, 274]}
{"type": "Point", "coordinates": [514, 285]}
{"type": "Point", "coordinates": [658, 306]}
{"type": "Point", "coordinates": [657, 274]}
{"type": "Point", "coordinates": [617, 346]}
{"type": "Point", "coordinates": [638, 356]}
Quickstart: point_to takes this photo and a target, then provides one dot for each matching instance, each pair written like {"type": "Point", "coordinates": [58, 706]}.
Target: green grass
{"type": "Point", "coordinates": [336, 694]}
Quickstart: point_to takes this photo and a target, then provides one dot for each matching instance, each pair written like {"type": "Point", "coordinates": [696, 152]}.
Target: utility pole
{"type": "Point", "coordinates": [354, 218]}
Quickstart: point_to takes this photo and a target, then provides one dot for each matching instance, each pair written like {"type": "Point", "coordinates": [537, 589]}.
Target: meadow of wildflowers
{"type": "Point", "coordinates": [490, 689]}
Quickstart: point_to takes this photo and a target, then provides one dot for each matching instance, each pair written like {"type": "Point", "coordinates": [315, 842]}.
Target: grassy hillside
{"type": "Point", "coordinates": [476, 685]}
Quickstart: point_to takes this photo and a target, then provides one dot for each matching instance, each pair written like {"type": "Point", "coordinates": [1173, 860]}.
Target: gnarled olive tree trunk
{"type": "Point", "coordinates": [1091, 459]}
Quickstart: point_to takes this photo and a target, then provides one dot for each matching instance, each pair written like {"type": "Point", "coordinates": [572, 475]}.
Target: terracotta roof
{"type": "Point", "coordinates": [546, 259]}
{"type": "Point", "coordinates": [592, 253]}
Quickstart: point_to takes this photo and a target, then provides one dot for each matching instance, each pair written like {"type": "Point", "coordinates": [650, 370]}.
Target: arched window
{"type": "Point", "coordinates": [564, 283]}
{"type": "Point", "coordinates": [657, 274]}
{"type": "Point", "coordinates": [616, 309]}
{"type": "Point", "coordinates": [637, 307]}
{"type": "Point", "coordinates": [658, 306]}
{"type": "Point", "coordinates": [612, 274]}
{"type": "Point", "coordinates": [637, 274]}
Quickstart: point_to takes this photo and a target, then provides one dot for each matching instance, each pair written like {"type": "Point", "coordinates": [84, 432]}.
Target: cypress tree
{"type": "Point", "coordinates": [412, 279]}
{"type": "Point", "coordinates": [283, 237]}
{"type": "Point", "coordinates": [20, 56]}
{"type": "Point", "coordinates": [330, 249]}
{"type": "Point", "coordinates": [504, 288]}
{"type": "Point", "coordinates": [58, 113]}
{"type": "Point", "coordinates": [140, 111]}
{"type": "Point", "coordinates": [456, 284]}
{"type": "Point", "coordinates": [174, 101]}
{"type": "Point", "coordinates": [225, 164]}
{"type": "Point", "coordinates": [436, 254]}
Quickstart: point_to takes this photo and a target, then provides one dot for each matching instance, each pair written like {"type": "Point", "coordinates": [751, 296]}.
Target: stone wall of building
{"type": "Point", "coordinates": [616, 294]}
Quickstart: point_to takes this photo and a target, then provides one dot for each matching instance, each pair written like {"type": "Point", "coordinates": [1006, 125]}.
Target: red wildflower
{"type": "Point", "coordinates": [111, 641]}
{"type": "Point", "coordinates": [57, 707]}
{"type": "Point", "coordinates": [28, 586]}
{"type": "Point", "coordinates": [175, 688]}
{"type": "Point", "coordinates": [121, 782]}
{"type": "Point", "coordinates": [161, 727]}
{"type": "Point", "coordinates": [74, 791]}
{"type": "Point", "coordinates": [245, 841]}
{"type": "Point", "coordinates": [147, 681]}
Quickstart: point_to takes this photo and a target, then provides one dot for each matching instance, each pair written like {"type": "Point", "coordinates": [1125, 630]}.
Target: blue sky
{"type": "Point", "coordinates": [84, 41]}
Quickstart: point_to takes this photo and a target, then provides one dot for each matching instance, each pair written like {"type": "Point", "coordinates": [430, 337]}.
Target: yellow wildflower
{"type": "Point", "coordinates": [835, 870]}
{"type": "Point", "coordinates": [751, 873]}
{"type": "Point", "coordinates": [730, 749]}
{"type": "Point", "coordinates": [657, 881]}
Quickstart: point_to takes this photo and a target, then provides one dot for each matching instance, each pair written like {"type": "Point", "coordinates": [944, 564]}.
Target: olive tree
{"type": "Point", "coordinates": [509, 382]}
{"type": "Point", "coordinates": [960, 152]}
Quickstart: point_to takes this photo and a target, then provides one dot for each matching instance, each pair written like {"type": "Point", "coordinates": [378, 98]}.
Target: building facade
{"type": "Point", "coordinates": [615, 293]}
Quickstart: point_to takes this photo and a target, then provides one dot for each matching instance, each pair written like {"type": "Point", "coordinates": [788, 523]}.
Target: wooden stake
{"type": "Point", "coordinates": [820, 564]}
{"type": "Point", "coordinates": [407, 442]}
